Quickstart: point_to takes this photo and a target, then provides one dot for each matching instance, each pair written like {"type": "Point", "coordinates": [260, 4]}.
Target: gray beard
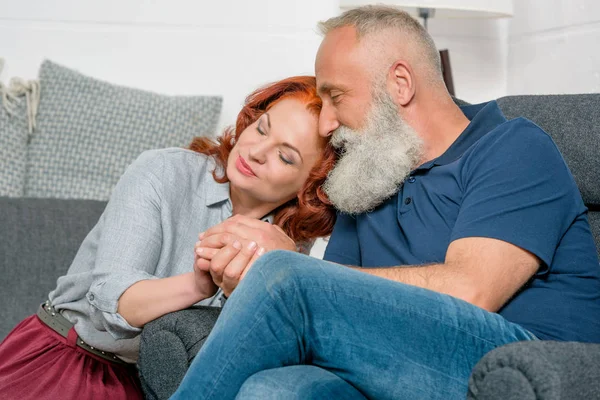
{"type": "Point", "coordinates": [375, 160]}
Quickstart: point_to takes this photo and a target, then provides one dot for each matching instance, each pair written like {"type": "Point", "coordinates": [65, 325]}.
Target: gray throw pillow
{"type": "Point", "coordinates": [88, 131]}
{"type": "Point", "coordinates": [13, 148]}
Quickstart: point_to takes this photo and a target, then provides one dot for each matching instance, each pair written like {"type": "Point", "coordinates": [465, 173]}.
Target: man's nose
{"type": "Point", "coordinates": [327, 121]}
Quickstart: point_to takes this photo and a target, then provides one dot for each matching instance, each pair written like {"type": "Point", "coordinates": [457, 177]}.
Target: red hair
{"type": "Point", "coordinates": [310, 214]}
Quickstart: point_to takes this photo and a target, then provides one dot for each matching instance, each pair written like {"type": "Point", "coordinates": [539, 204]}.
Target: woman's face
{"type": "Point", "coordinates": [273, 156]}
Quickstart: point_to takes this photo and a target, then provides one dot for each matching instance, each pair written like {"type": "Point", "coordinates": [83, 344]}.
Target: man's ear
{"type": "Point", "coordinates": [402, 83]}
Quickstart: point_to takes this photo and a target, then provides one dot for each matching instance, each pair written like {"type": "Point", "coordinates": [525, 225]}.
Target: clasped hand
{"type": "Point", "coordinates": [228, 250]}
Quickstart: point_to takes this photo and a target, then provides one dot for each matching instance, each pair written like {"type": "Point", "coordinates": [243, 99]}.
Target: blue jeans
{"type": "Point", "coordinates": [384, 339]}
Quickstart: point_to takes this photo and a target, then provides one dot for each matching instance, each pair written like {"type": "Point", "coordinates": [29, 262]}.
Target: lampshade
{"type": "Point", "coordinates": [445, 8]}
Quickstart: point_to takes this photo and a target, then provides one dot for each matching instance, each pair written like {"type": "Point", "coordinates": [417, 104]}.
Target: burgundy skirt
{"type": "Point", "coordinates": [38, 363]}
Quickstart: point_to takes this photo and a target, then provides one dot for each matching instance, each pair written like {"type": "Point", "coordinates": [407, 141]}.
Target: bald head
{"type": "Point", "coordinates": [389, 34]}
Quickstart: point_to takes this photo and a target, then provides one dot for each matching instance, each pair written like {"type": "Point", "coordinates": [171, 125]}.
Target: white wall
{"type": "Point", "coordinates": [478, 55]}
{"type": "Point", "coordinates": [229, 47]}
{"type": "Point", "coordinates": [553, 47]}
{"type": "Point", "coordinates": [226, 47]}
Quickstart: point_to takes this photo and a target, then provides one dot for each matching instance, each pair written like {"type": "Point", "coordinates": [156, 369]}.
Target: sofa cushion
{"type": "Point", "coordinates": [168, 345]}
{"type": "Point", "coordinates": [13, 146]}
{"type": "Point", "coordinates": [537, 370]}
{"type": "Point", "coordinates": [40, 238]}
{"type": "Point", "coordinates": [89, 131]}
{"type": "Point", "coordinates": [573, 121]}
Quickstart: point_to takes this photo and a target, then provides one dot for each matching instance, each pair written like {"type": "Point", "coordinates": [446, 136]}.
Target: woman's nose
{"type": "Point", "coordinates": [257, 153]}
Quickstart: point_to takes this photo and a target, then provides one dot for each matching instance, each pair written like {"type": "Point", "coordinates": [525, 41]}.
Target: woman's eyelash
{"type": "Point", "coordinates": [285, 160]}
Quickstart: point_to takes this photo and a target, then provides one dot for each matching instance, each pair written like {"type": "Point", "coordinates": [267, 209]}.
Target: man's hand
{"type": "Point", "coordinates": [239, 227]}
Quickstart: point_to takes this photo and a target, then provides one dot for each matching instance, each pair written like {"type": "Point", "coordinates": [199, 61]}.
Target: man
{"type": "Point", "coordinates": [463, 232]}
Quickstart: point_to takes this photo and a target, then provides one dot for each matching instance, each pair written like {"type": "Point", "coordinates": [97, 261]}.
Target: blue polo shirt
{"type": "Point", "coordinates": [500, 179]}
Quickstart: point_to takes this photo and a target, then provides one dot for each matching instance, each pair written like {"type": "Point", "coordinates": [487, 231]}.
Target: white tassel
{"type": "Point", "coordinates": [31, 90]}
{"type": "Point", "coordinates": [18, 88]}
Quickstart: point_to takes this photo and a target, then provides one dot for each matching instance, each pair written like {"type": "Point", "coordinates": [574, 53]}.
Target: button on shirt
{"type": "Point", "coordinates": [147, 231]}
{"type": "Point", "coordinates": [500, 179]}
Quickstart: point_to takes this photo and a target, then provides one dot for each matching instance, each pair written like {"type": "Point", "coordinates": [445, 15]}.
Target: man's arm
{"type": "Point", "coordinates": [482, 271]}
{"type": "Point", "coordinates": [519, 198]}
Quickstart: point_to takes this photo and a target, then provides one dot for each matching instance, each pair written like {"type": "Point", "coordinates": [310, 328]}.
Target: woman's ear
{"type": "Point", "coordinates": [402, 83]}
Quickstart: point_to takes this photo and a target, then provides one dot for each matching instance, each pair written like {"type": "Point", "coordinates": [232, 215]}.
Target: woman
{"type": "Point", "coordinates": [137, 262]}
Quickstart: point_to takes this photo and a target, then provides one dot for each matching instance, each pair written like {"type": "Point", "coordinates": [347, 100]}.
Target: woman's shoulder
{"type": "Point", "coordinates": [174, 155]}
{"type": "Point", "coordinates": [173, 160]}
{"type": "Point", "coordinates": [172, 172]}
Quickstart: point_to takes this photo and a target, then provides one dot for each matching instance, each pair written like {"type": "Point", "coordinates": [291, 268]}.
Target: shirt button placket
{"type": "Point", "coordinates": [405, 196]}
{"type": "Point", "coordinates": [408, 199]}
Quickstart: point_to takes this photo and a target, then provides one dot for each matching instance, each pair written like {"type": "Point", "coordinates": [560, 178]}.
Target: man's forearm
{"type": "Point", "coordinates": [483, 271]}
{"type": "Point", "coordinates": [442, 278]}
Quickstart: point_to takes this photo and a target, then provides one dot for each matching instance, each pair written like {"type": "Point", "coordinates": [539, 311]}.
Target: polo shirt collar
{"type": "Point", "coordinates": [484, 118]}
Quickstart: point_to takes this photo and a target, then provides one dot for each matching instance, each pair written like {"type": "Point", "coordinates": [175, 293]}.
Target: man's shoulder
{"type": "Point", "coordinates": [518, 136]}
{"type": "Point", "coordinates": [518, 130]}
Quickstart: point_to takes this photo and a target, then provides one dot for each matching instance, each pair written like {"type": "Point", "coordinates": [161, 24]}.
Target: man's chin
{"type": "Point", "coordinates": [351, 199]}
{"type": "Point", "coordinates": [354, 209]}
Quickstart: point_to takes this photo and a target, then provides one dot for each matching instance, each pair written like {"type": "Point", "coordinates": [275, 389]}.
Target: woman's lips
{"type": "Point", "coordinates": [243, 167]}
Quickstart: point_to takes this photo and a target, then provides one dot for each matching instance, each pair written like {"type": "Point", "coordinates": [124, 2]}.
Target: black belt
{"type": "Point", "coordinates": [55, 320]}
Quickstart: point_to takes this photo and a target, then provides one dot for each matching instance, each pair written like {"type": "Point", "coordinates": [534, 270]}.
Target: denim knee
{"type": "Point", "coordinates": [297, 382]}
{"type": "Point", "coordinates": [276, 268]}
{"type": "Point", "coordinates": [257, 388]}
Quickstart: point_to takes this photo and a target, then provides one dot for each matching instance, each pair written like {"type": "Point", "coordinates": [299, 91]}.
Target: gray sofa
{"type": "Point", "coordinates": [39, 238]}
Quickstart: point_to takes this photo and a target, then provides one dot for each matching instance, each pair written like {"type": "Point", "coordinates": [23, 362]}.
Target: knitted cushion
{"type": "Point", "coordinates": [537, 370]}
{"type": "Point", "coordinates": [89, 131]}
{"type": "Point", "coordinates": [168, 345]}
{"type": "Point", "coordinates": [573, 121]}
{"type": "Point", "coordinates": [13, 147]}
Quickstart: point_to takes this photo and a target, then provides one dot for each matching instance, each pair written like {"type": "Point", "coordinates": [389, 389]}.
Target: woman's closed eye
{"type": "Point", "coordinates": [283, 156]}
{"type": "Point", "coordinates": [260, 130]}
{"type": "Point", "coordinates": [286, 160]}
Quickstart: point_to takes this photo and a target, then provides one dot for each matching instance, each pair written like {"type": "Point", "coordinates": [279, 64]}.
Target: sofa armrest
{"type": "Point", "coordinates": [542, 370]}
{"type": "Point", "coordinates": [168, 345]}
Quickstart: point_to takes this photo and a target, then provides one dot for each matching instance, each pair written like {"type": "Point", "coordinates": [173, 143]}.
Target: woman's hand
{"type": "Point", "coordinates": [229, 265]}
{"type": "Point", "coordinates": [202, 277]}
{"type": "Point", "coordinates": [230, 248]}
